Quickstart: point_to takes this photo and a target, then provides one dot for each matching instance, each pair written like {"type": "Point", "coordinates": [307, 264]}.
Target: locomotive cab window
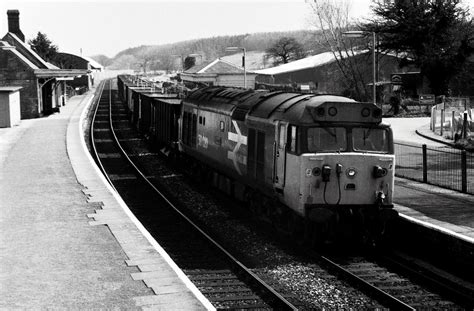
{"type": "Point", "coordinates": [222, 126]}
{"type": "Point", "coordinates": [326, 139]}
{"type": "Point", "coordinates": [371, 139]}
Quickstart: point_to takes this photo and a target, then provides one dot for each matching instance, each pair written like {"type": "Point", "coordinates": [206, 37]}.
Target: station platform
{"type": "Point", "coordinates": [440, 209]}
{"type": "Point", "coordinates": [443, 210]}
{"type": "Point", "coordinates": [67, 241]}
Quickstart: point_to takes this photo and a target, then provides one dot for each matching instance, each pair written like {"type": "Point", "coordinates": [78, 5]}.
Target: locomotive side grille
{"type": "Point", "coordinates": [239, 113]}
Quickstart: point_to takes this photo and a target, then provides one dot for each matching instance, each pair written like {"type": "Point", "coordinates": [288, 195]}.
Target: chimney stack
{"type": "Point", "coordinates": [14, 24]}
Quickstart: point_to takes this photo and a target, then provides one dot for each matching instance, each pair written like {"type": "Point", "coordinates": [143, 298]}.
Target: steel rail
{"type": "Point", "coordinates": [383, 297]}
{"type": "Point", "coordinates": [453, 288]}
{"type": "Point", "coordinates": [92, 136]}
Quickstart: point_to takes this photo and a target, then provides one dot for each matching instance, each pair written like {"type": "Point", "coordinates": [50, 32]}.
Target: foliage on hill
{"type": "Point", "coordinates": [168, 56]}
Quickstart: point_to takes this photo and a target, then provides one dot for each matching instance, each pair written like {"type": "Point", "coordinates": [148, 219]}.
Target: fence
{"type": "Point", "coordinates": [448, 168]}
{"type": "Point", "coordinates": [454, 116]}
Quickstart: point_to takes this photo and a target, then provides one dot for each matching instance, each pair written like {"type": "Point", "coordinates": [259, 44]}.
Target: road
{"type": "Point", "coordinates": [404, 130]}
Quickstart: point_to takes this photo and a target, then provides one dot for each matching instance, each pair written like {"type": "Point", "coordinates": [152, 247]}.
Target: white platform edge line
{"type": "Point", "coordinates": [437, 228]}
{"type": "Point", "coordinates": [132, 217]}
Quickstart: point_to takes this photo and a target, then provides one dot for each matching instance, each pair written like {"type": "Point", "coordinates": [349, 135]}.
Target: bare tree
{"type": "Point", "coordinates": [286, 49]}
{"type": "Point", "coordinates": [331, 17]}
{"type": "Point", "coordinates": [146, 57]}
{"type": "Point", "coordinates": [168, 62]}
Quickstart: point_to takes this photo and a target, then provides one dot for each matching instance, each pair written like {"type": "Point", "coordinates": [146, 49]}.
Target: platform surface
{"type": "Point", "coordinates": [65, 240]}
{"type": "Point", "coordinates": [445, 210]}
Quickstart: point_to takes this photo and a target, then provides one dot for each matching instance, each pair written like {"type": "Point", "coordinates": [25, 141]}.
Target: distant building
{"type": "Point", "coordinates": [43, 84]}
{"type": "Point", "coordinates": [94, 65]}
{"type": "Point", "coordinates": [81, 83]}
{"type": "Point", "coordinates": [219, 72]}
{"type": "Point", "coordinates": [321, 72]}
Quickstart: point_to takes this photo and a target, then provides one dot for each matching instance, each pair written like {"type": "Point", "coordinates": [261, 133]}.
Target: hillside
{"type": "Point", "coordinates": [167, 57]}
{"type": "Point", "coordinates": [253, 60]}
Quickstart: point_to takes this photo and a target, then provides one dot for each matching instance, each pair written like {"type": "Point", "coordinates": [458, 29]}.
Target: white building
{"type": "Point", "coordinates": [219, 73]}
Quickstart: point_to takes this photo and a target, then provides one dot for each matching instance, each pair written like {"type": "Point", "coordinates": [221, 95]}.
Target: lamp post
{"type": "Point", "coordinates": [181, 58]}
{"type": "Point", "coordinates": [233, 49]}
{"type": "Point", "coordinates": [361, 34]}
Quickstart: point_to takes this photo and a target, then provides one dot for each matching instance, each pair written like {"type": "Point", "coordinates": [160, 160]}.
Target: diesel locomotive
{"type": "Point", "coordinates": [318, 166]}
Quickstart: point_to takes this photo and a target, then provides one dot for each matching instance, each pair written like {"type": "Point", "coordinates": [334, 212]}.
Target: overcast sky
{"type": "Point", "coordinates": [107, 27]}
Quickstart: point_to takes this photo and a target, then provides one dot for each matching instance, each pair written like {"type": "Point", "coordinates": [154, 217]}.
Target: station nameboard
{"type": "Point", "coordinates": [427, 99]}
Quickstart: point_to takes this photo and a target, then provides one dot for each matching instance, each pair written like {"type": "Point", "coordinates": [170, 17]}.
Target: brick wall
{"type": "Point", "coordinates": [14, 72]}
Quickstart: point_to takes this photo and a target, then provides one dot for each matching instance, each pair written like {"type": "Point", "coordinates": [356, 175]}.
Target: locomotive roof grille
{"type": "Point", "coordinates": [269, 105]}
{"type": "Point", "coordinates": [239, 113]}
{"type": "Point", "coordinates": [216, 93]}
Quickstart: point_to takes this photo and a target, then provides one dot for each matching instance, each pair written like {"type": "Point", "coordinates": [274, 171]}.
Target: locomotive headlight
{"type": "Point", "coordinates": [379, 171]}
{"type": "Point", "coordinates": [351, 172]}
{"type": "Point", "coordinates": [316, 171]}
{"type": "Point", "coordinates": [365, 112]}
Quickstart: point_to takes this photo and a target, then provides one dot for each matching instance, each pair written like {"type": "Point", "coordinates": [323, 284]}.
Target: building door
{"type": "Point", "coordinates": [47, 97]}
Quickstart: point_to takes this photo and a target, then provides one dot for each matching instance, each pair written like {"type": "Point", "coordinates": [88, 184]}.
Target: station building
{"type": "Point", "coordinates": [43, 85]}
{"type": "Point", "coordinates": [219, 73]}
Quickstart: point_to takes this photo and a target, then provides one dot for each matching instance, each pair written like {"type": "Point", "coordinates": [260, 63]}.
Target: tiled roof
{"type": "Point", "coordinates": [217, 66]}
{"type": "Point", "coordinates": [196, 68]}
{"type": "Point", "coordinates": [304, 63]}
{"type": "Point", "coordinates": [15, 41]}
{"type": "Point", "coordinates": [94, 63]}
{"type": "Point", "coordinates": [7, 47]}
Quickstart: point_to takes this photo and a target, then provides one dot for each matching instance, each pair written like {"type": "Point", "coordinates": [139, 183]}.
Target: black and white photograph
{"type": "Point", "coordinates": [237, 155]}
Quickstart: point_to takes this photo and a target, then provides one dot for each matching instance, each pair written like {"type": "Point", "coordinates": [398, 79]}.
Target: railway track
{"type": "Point", "coordinates": [398, 289]}
{"type": "Point", "coordinates": [220, 283]}
{"type": "Point", "coordinates": [225, 281]}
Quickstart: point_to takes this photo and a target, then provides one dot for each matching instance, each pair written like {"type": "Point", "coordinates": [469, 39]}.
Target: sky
{"type": "Point", "coordinates": [108, 27]}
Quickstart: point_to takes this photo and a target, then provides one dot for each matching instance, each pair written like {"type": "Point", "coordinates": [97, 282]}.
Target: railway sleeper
{"type": "Point", "coordinates": [225, 290]}
{"type": "Point", "coordinates": [220, 284]}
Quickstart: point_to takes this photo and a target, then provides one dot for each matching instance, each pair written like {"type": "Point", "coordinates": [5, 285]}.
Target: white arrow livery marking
{"type": "Point", "coordinates": [240, 140]}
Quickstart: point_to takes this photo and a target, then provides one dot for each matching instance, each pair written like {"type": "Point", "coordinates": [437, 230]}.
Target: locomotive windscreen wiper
{"type": "Point", "coordinates": [367, 134]}
{"type": "Point", "coordinates": [333, 134]}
